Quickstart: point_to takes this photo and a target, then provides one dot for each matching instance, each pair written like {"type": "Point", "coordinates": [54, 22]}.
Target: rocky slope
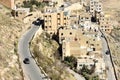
{"type": "Point", "coordinates": [10, 32]}
{"type": "Point", "coordinates": [112, 7]}
{"type": "Point", "coordinates": [44, 50]}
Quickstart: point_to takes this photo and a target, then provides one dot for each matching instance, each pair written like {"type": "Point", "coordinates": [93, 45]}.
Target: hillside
{"type": "Point", "coordinates": [44, 50]}
{"type": "Point", "coordinates": [112, 7]}
{"type": "Point", "coordinates": [10, 32]}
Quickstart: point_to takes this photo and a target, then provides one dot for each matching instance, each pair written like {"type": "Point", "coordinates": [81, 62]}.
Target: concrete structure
{"type": "Point", "coordinates": [21, 13]}
{"type": "Point", "coordinates": [55, 20]}
{"type": "Point", "coordinates": [69, 34]}
{"type": "Point", "coordinates": [8, 3]}
{"type": "Point", "coordinates": [106, 23]}
{"type": "Point", "coordinates": [78, 43]}
{"type": "Point", "coordinates": [87, 61]}
{"type": "Point", "coordinates": [83, 17]}
{"type": "Point", "coordinates": [75, 6]}
{"type": "Point", "coordinates": [95, 5]}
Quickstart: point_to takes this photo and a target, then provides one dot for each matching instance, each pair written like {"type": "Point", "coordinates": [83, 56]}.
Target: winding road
{"type": "Point", "coordinates": [106, 57]}
{"type": "Point", "coordinates": [31, 71]}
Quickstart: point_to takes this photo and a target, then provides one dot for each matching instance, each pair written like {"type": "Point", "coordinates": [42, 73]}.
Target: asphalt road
{"type": "Point", "coordinates": [108, 63]}
{"type": "Point", "coordinates": [31, 71]}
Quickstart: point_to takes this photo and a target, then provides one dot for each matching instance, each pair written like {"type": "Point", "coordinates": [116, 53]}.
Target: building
{"type": "Point", "coordinates": [95, 5]}
{"type": "Point", "coordinates": [69, 34]}
{"type": "Point", "coordinates": [84, 17]}
{"type": "Point", "coordinates": [9, 3]}
{"type": "Point", "coordinates": [78, 43]}
{"type": "Point", "coordinates": [87, 61]}
{"type": "Point", "coordinates": [55, 20]}
{"type": "Point", "coordinates": [105, 23]}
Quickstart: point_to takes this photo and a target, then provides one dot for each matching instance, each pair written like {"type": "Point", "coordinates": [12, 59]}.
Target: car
{"type": "Point", "coordinates": [102, 36]}
{"type": "Point", "coordinates": [37, 23]}
{"type": "Point", "coordinates": [26, 61]}
{"type": "Point", "coordinates": [107, 52]}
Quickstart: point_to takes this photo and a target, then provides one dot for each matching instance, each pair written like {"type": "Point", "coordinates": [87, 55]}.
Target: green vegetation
{"type": "Point", "coordinates": [89, 73]}
{"type": "Point", "coordinates": [45, 57]}
{"type": "Point", "coordinates": [71, 61]}
{"type": "Point", "coordinates": [29, 4]}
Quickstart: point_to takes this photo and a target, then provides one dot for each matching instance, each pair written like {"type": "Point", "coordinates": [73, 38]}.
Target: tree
{"type": "Point", "coordinates": [71, 61]}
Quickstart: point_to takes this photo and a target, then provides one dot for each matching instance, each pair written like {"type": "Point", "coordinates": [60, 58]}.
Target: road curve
{"type": "Point", "coordinates": [108, 62]}
{"type": "Point", "coordinates": [31, 71]}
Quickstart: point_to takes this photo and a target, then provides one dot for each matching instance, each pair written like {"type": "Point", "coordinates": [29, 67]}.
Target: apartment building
{"type": "Point", "coordinates": [105, 23]}
{"type": "Point", "coordinates": [55, 20]}
{"type": "Point", "coordinates": [95, 5]}
{"type": "Point", "coordinates": [83, 17]}
{"type": "Point", "coordinates": [8, 3]}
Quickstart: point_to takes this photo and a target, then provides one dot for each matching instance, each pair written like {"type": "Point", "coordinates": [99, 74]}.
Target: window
{"type": "Point", "coordinates": [64, 18]}
{"type": "Point", "coordinates": [75, 39]}
{"type": "Point", "coordinates": [58, 23]}
{"type": "Point", "coordinates": [58, 13]}
{"type": "Point", "coordinates": [45, 16]}
{"type": "Point", "coordinates": [92, 44]}
{"type": "Point", "coordinates": [61, 33]}
{"type": "Point", "coordinates": [50, 32]}
{"type": "Point", "coordinates": [93, 49]}
{"type": "Point", "coordinates": [58, 18]}
{"type": "Point", "coordinates": [70, 33]}
{"type": "Point", "coordinates": [87, 18]}
{"type": "Point", "coordinates": [87, 42]}
{"type": "Point", "coordinates": [49, 26]}
{"type": "Point", "coordinates": [91, 65]}
{"type": "Point", "coordinates": [80, 65]}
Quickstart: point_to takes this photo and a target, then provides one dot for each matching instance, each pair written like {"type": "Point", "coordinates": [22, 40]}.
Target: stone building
{"type": "Point", "coordinates": [78, 43]}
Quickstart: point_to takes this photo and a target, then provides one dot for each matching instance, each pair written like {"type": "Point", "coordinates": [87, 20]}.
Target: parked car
{"type": "Point", "coordinates": [107, 52]}
{"type": "Point", "coordinates": [26, 61]}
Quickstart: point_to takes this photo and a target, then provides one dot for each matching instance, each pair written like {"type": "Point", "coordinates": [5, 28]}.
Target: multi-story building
{"type": "Point", "coordinates": [69, 34]}
{"type": "Point", "coordinates": [8, 3]}
{"type": "Point", "coordinates": [83, 17]}
{"type": "Point", "coordinates": [105, 23]}
{"type": "Point", "coordinates": [95, 5]}
{"type": "Point", "coordinates": [53, 21]}
{"type": "Point", "coordinates": [77, 43]}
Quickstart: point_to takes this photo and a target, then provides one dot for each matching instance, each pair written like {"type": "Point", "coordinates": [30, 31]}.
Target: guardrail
{"type": "Point", "coordinates": [45, 75]}
{"type": "Point", "coordinates": [110, 55]}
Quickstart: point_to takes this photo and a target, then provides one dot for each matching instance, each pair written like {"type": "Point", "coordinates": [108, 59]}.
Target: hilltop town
{"type": "Point", "coordinates": [68, 40]}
